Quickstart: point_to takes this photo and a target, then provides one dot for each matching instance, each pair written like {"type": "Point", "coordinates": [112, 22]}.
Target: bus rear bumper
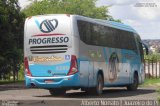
{"type": "Point", "coordinates": [52, 82]}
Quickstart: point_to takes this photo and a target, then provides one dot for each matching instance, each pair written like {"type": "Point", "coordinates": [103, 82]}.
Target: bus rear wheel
{"type": "Point", "coordinates": [134, 85]}
{"type": "Point", "coordinates": [57, 92]}
{"type": "Point", "coordinates": [98, 90]}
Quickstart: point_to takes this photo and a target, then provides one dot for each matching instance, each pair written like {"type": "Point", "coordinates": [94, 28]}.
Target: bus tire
{"type": "Point", "coordinates": [134, 85]}
{"type": "Point", "coordinates": [57, 92]}
{"type": "Point", "coordinates": [98, 89]}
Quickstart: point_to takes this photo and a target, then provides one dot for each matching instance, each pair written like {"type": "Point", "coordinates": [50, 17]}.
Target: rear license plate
{"type": "Point", "coordinates": [48, 81]}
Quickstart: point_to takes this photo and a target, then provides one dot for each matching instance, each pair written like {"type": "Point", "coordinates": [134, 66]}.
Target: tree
{"type": "Point", "coordinates": [80, 7]}
{"type": "Point", "coordinates": [11, 35]}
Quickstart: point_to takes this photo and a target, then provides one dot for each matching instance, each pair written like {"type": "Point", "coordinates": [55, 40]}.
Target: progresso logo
{"type": "Point", "coordinates": [47, 25]}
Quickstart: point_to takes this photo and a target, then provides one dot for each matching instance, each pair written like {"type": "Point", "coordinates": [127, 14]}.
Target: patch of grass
{"type": "Point", "coordinates": [9, 81]}
{"type": "Point", "coordinates": [158, 90]}
{"type": "Point", "coordinates": [151, 83]}
{"type": "Point", "coordinates": [159, 96]}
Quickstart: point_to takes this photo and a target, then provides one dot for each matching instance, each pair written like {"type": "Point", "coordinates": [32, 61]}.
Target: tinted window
{"type": "Point", "coordinates": [99, 35]}
{"type": "Point", "coordinates": [140, 47]}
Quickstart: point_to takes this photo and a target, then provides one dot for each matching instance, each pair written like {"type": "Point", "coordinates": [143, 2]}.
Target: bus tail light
{"type": "Point", "coordinates": [26, 65]}
{"type": "Point", "coordinates": [74, 66]}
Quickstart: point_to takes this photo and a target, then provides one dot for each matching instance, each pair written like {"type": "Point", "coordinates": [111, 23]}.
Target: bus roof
{"type": "Point", "coordinates": [117, 25]}
{"type": "Point", "coordinates": [113, 24]}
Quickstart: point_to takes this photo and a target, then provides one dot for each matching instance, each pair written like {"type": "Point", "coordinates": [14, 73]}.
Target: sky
{"type": "Point", "coordinates": [142, 15]}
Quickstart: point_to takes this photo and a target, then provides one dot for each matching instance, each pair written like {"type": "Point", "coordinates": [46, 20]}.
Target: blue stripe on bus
{"type": "Point", "coordinates": [105, 55]}
{"type": "Point", "coordinates": [37, 23]}
{"type": "Point", "coordinates": [121, 26]}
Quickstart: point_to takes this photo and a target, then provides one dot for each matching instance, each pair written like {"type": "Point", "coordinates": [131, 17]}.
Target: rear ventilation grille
{"type": "Point", "coordinates": [50, 49]}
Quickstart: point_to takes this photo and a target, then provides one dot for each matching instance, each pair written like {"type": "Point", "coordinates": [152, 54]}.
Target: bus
{"type": "Point", "coordinates": [64, 52]}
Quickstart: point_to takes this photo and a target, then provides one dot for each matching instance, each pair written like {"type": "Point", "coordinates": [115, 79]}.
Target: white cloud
{"type": "Point", "coordinates": [24, 3]}
{"type": "Point", "coordinates": [132, 23]}
{"type": "Point", "coordinates": [145, 20]}
{"type": "Point", "coordinates": [123, 2]}
{"type": "Point", "coordinates": [116, 2]}
{"type": "Point", "coordinates": [149, 13]}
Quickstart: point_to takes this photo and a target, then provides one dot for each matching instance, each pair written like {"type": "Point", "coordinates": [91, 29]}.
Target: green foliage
{"type": "Point", "coordinates": [11, 36]}
{"type": "Point", "coordinates": [154, 57]}
{"type": "Point", "coordinates": [21, 72]}
{"type": "Point", "coordinates": [158, 96]}
{"type": "Point", "coordinates": [151, 82]}
{"type": "Point", "coordinates": [79, 7]}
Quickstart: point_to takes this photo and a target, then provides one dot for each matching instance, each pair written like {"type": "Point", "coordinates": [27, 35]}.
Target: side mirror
{"type": "Point", "coordinates": [147, 51]}
{"type": "Point", "coordinates": [146, 48]}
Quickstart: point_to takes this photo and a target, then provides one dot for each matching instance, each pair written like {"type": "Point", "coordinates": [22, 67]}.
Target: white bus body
{"type": "Point", "coordinates": [64, 52]}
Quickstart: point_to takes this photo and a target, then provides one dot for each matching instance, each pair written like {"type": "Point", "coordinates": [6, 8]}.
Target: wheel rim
{"type": "Point", "coordinates": [100, 85]}
{"type": "Point", "coordinates": [135, 81]}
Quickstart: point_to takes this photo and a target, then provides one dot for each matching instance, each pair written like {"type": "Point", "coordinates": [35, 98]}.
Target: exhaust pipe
{"type": "Point", "coordinates": [33, 85]}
